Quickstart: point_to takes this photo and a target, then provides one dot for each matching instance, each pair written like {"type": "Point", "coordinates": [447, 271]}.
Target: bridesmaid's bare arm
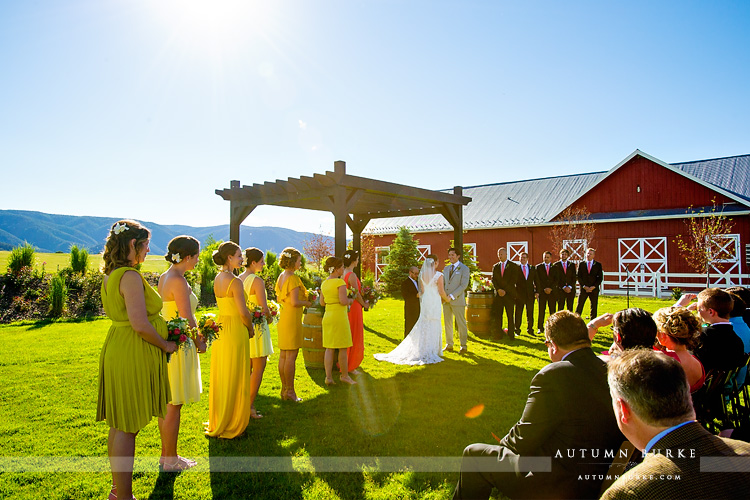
{"type": "Point", "coordinates": [131, 288]}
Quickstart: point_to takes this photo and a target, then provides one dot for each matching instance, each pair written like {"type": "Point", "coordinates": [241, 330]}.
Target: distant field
{"type": "Point", "coordinates": [54, 261]}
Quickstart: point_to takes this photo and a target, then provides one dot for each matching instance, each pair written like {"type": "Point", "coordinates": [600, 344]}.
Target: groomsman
{"type": "Point", "coordinates": [410, 293]}
{"type": "Point", "coordinates": [546, 289]}
{"type": "Point", "coordinates": [565, 276]}
{"type": "Point", "coordinates": [590, 277]}
{"type": "Point", "coordinates": [526, 294]}
{"type": "Point", "coordinates": [504, 278]}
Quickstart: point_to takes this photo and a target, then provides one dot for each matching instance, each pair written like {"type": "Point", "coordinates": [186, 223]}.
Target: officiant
{"type": "Point", "coordinates": [410, 293]}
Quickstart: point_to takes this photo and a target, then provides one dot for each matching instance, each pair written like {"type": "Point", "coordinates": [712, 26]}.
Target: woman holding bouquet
{"type": "Point", "coordinates": [336, 332]}
{"type": "Point", "coordinates": [133, 381]}
{"type": "Point", "coordinates": [228, 401]}
{"type": "Point", "coordinates": [292, 297]}
{"type": "Point", "coordinates": [356, 352]}
{"type": "Point", "coordinates": [260, 344]}
{"type": "Point", "coordinates": [184, 366]}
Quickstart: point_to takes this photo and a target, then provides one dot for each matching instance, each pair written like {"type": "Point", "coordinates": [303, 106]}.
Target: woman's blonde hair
{"type": "Point", "coordinates": [288, 258]}
{"type": "Point", "coordinates": [680, 324]}
{"type": "Point", "coordinates": [117, 247]}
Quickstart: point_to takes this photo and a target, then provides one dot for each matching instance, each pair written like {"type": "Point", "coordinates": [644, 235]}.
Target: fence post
{"type": "Point", "coordinates": [657, 284]}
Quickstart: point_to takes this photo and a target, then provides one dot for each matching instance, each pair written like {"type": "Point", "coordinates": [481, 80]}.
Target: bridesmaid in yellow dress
{"type": "Point", "coordinates": [292, 297]}
{"type": "Point", "coordinates": [133, 383]}
{"type": "Point", "coordinates": [229, 395]}
{"type": "Point", "coordinates": [260, 345]}
{"type": "Point", "coordinates": [184, 366]}
{"type": "Point", "coordinates": [336, 331]}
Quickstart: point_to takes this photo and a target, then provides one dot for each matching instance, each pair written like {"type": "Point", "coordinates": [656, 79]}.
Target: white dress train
{"type": "Point", "coordinates": [422, 345]}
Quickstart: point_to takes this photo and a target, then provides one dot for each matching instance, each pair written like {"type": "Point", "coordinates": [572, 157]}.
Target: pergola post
{"type": "Point", "coordinates": [458, 225]}
{"type": "Point", "coordinates": [339, 211]}
{"type": "Point", "coordinates": [238, 212]}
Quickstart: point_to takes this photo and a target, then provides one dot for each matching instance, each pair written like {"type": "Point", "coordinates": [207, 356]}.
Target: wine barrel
{"type": "Point", "coordinates": [478, 313]}
{"type": "Point", "coordinates": [312, 338]}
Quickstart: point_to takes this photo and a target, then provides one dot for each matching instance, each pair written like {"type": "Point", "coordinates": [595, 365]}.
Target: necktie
{"type": "Point", "coordinates": [547, 266]}
{"type": "Point", "coordinates": [453, 268]}
{"type": "Point", "coordinates": [525, 272]}
{"type": "Point", "coordinates": [565, 267]}
{"type": "Point", "coordinates": [502, 269]}
{"type": "Point", "coordinates": [589, 266]}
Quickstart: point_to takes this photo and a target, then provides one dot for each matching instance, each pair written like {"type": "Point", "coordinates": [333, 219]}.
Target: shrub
{"type": "Point", "coordinates": [676, 293]}
{"type": "Point", "coordinates": [58, 296]}
{"type": "Point", "coordinates": [206, 271]}
{"type": "Point", "coordinates": [79, 259]}
{"type": "Point", "coordinates": [403, 254]}
{"type": "Point", "coordinates": [20, 257]}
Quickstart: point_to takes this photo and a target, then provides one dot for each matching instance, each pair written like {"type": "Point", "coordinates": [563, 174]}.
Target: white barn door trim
{"type": "Point", "coordinates": [515, 248]}
{"type": "Point", "coordinates": [642, 258]}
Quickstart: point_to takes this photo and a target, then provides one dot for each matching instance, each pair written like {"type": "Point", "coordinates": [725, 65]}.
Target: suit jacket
{"type": "Point", "coordinates": [506, 280]}
{"type": "Point", "coordinates": [457, 284]}
{"type": "Point", "coordinates": [568, 408]}
{"type": "Point", "coordinates": [721, 348]}
{"type": "Point", "coordinates": [409, 293]}
{"type": "Point", "coordinates": [543, 280]}
{"type": "Point", "coordinates": [526, 287]}
{"type": "Point", "coordinates": [593, 278]}
{"type": "Point", "coordinates": [565, 278]}
{"type": "Point", "coordinates": [692, 483]}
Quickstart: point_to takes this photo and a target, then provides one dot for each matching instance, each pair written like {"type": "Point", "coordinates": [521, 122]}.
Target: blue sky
{"type": "Point", "coordinates": [142, 108]}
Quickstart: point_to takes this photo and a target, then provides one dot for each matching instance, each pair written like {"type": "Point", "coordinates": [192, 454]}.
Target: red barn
{"type": "Point", "coordinates": [638, 208]}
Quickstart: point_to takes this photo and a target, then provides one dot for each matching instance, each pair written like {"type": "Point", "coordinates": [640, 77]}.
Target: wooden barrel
{"type": "Point", "coordinates": [478, 309]}
{"type": "Point", "coordinates": [312, 338]}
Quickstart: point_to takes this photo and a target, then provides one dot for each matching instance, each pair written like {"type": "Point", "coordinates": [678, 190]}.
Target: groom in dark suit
{"type": "Point", "coordinates": [410, 293]}
{"type": "Point", "coordinates": [567, 419]}
{"type": "Point", "coordinates": [590, 277]}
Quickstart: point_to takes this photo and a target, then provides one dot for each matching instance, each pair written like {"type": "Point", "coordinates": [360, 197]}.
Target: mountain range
{"type": "Point", "coordinates": [57, 233]}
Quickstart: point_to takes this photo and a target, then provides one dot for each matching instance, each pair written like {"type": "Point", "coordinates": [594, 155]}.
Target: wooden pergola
{"type": "Point", "coordinates": [354, 201]}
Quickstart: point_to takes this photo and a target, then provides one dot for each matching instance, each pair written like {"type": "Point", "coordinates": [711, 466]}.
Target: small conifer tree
{"type": "Point", "coordinates": [403, 254]}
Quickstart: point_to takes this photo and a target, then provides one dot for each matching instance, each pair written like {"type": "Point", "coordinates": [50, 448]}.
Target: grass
{"type": "Point", "coordinates": [53, 262]}
{"type": "Point", "coordinates": [48, 401]}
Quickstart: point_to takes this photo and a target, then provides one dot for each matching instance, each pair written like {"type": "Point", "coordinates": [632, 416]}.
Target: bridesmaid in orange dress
{"type": "Point", "coordinates": [292, 297]}
{"type": "Point", "coordinates": [357, 351]}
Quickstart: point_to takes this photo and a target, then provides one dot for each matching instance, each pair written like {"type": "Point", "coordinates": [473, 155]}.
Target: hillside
{"type": "Point", "coordinates": [53, 233]}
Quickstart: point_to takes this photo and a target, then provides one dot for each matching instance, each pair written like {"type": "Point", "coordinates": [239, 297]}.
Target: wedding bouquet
{"type": "Point", "coordinates": [314, 297]}
{"type": "Point", "coordinates": [177, 330]}
{"type": "Point", "coordinates": [351, 292]}
{"type": "Point", "coordinates": [371, 294]}
{"type": "Point", "coordinates": [258, 316]}
{"type": "Point", "coordinates": [273, 307]}
{"type": "Point", "coordinates": [481, 283]}
{"type": "Point", "coordinates": [208, 328]}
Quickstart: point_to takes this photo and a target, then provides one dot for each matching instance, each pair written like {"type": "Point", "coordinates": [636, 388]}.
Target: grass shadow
{"type": "Point", "coordinates": [164, 486]}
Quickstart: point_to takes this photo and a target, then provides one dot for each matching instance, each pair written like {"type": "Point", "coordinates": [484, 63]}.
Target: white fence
{"type": "Point", "coordinates": [646, 284]}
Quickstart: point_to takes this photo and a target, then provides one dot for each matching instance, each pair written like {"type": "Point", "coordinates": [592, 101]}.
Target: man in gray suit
{"type": "Point", "coordinates": [456, 280]}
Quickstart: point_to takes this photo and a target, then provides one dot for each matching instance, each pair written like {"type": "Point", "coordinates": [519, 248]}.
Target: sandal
{"type": "Point", "coordinates": [292, 396]}
{"type": "Point", "coordinates": [112, 493]}
{"type": "Point", "coordinates": [254, 414]}
{"type": "Point", "coordinates": [329, 381]}
{"type": "Point", "coordinates": [179, 465]}
{"type": "Point", "coordinates": [347, 380]}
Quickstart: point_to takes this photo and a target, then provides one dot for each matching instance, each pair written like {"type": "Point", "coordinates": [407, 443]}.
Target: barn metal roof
{"type": "Point", "coordinates": [538, 201]}
{"type": "Point", "coordinates": [731, 173]}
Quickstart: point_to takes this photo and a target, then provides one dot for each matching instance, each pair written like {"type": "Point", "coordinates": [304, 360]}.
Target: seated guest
{"type": "Point", "coordinates": [631, 328]}
{"type": "Point", "coordinates": [679, 333]}
{"type": "Point", "coordinates": [744, 294]}
{"type": "Point", "coordinates": [740, 328]}
{"type": "Point", "coordinates": [568, 408]}
{"type": "Point", "coordinates": [721, 348]}
{"type": "Point", "coordinates": [655, 412]}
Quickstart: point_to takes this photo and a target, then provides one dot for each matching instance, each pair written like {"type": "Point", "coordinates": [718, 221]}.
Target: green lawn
{"type": "Point", "coordinates": [53, 262]}
{"type": "Point", "coordinates": [48, 400]}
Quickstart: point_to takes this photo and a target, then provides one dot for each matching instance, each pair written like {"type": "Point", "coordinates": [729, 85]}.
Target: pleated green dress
{"type": "Point", "coordinates": [133, 379]}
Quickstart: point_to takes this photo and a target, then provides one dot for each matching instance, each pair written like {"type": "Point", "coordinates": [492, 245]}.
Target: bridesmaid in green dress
{"type": "Point", "coordinates": [260, 345]}
{"type": "Point", "coordinates": [133, 381]}
{"type": "Point", "coordinates": [184, 366]}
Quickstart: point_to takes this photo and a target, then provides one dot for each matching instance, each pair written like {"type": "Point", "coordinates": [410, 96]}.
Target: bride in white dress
{"type": "Point", "coordinates": [422, 345]}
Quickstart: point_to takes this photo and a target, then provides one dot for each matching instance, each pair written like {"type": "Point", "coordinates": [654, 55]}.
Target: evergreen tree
{"type": "Point", "coordinates": [402, 255]}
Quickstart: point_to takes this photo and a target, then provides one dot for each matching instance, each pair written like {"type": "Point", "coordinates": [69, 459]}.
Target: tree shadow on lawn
{"type": "Point", "coordinates": [413, 412]}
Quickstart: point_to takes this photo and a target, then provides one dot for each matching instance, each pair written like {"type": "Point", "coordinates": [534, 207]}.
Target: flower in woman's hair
{"type": "Point", "coordinates": [286, 254]}
{"type": "Point", "coordinates": [176, 258]}
{"type": "Point", "coordinates": [120, 228]}
{"type": "Point", "coordinates": [331, 269]}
